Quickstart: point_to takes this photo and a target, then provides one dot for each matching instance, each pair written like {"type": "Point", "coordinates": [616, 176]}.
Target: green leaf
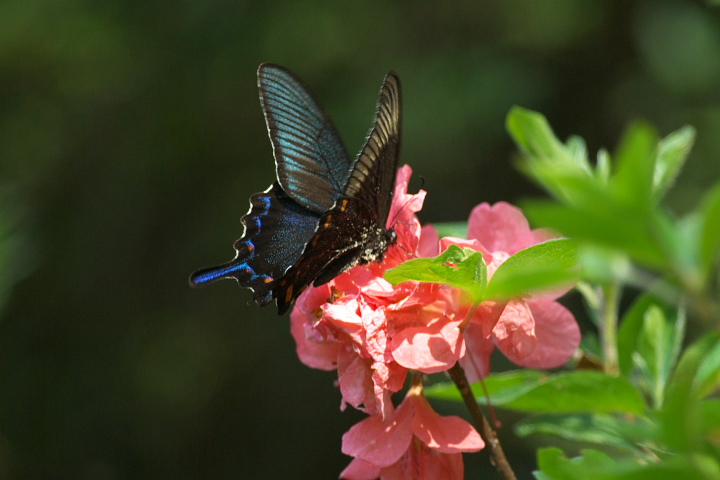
{"type": "Point", "coordinates": [635, 160]}
{"type": "Point", "coordinates": [710, 232]}
{"type": "Point", "coordinates": [554, 463]}
{"type": "Point", "coordinates": [462, 268]}
{"type": "Point", "coordinates": [710, 415]}
{"type": "Point", "coordinates": [687, 250]}
{"type": "Point", "coordinates": [613, 226]}
{"type": "Point", "coordinates": [658, 346]}
{"type": "Point", "coordinates": [592, 294]}
{"type": "Point", "coordinates": [580, 391]}
{"type": "Point", "coordinates": [598, 429]}
{"type": "Point", "coordinates": [532, 391]}
{"type": "Point", "coordinates": [604, 266]}
{"type": "Point", "coordinates": [544, 266]}
{"type": "Point", "coordinates": [603, 167]}
{"type": "Point", "coordinates": [708, 373]}
{"type": "Point", "coordinates": [630, 327]}
{"type": "Point", "coordinates": [673, 150]}
{"type": "Point", "coordinates": [680, 416]}
{"type": "Point", "coordinates": [547, 160]}
{"type": "Point", "coordinates": [595, 465]}
{"type": "Point", "coordinates": [649, 340]}
{"type": "Point", "coordinates": [533, 134]}
{"type": "Point", "coordinates": [452, 229]}
{"type": "Point", "coordinates": [577, 148]}
{"type": "Point", "coordinates": [502, 387]}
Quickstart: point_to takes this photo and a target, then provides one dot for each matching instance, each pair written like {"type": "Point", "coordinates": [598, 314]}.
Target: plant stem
{"type": "Point", "coordinates": [608, 328]}
{"type": "Point", "coordinates": [497, 456]}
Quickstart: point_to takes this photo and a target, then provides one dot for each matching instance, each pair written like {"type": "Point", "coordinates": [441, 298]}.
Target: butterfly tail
{"type": "Point", "coordinates": [233, 269]}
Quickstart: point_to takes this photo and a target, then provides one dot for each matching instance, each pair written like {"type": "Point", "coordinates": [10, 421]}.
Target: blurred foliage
{"type": "Point", "coordinates": [131, 139]}
{"type": "Point", "coordinates": [652, 410]}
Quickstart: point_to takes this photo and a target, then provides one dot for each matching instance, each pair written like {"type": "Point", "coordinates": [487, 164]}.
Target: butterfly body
{"type": "Point", "coordinates": [325, 214]}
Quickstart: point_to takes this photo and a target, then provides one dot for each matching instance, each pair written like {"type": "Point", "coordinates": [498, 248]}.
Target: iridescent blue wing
{"type": "Point", "coordinates": [310, 159]}
{"type": "Point", "coordinates": [276, 232]}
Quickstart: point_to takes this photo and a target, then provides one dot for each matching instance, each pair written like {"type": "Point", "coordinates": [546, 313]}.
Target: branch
{"type": "Point", "coordinates": [496, 452]}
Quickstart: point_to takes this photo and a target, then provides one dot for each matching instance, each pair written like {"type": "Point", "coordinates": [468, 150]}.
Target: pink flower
{"type": "Point", "coordinates": [373, 333]}
{"type": "Point", "coordinates": [535, 332]}
{"type": "Point", "coordinates": [415, 443]}
{"type": "Point", "coordinates": [353, 332]}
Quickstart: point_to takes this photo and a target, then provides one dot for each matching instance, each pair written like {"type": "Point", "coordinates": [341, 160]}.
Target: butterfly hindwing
{"type": "Point", "coordinates": [276, 231]}
{"type": "Point", "coordinates": [336, 244]}
{"type": "Point", "coordinates": [311, 161]}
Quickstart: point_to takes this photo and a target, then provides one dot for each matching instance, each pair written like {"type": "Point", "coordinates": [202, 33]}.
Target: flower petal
{"type": "Point", "coordinates": [447, 434]}
{"type": "Point", "coordinates": [360, 470]}
{"type": "Point", "coordinates": [428, 246]}
{"type": "Point", "coordinates": [497, 226]}
{"type": "Point", "coordinates": [533, 237]}
{"type": "Point", "coordinates": [380, 442]}
{"type": "Point", "coordinates": [478, 346]}
{"type": "Point", "coordinates": [429, 349]}
{"type": "Point", "coordinates": [312, 349]}
{"type": "Point", "coordinates": [557, 332]}
{"type": "Point", "coordinates": [355, 381]}
{"type": "Point", "coordinates": [423, 463]}
{"type": "Point", "coordinates": [514, 333]}
{"type": "Point", "coordinates": [404, 205]}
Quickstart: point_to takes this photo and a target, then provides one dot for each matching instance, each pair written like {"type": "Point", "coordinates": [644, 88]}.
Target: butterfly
{"type": "Point", "coordinates": [325, 213]}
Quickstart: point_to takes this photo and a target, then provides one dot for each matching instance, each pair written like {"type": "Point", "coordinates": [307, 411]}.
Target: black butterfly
{"type": "Point", "coordinates": [325, 213]}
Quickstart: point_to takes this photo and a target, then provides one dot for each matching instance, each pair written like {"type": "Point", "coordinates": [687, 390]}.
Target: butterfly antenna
{"type": "Point", "coordinates": [397, 214]}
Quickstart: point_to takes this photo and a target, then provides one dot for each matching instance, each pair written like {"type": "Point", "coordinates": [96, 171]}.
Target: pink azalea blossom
{"type": "Point", "coordinates": [415, 443]}
{"type": "Point", "coordinates": [373, 333]}
{"type": "Point", "coordinates": [536, 332]}
{"type": "Point", "coordinates": [351, 332]}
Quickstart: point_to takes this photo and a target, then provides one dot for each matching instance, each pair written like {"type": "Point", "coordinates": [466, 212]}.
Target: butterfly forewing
{"type": "Point", "coordinates": [311, 161]}
{"type": "Point", "coordinates": [373, 176]}
{"type": "Point", "coordinates": [353, 231]}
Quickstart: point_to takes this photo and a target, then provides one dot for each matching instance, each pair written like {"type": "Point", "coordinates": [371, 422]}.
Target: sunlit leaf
{"type": "Point", "coordinates": [673, 150]}
{"type": "Point", "coordinates": [547, 160]}
{"type": "Point", "coordinates": [578, 391]}
{"type": "Point", "coordinates": [616, 228]}
{"type": "Point", "coordinates": [603, 167]}
{"type": "Point", "coordinates": [541, 267]}
{"type": "Point", "coordinates": [658, 346]}
{"type": "Point", "coordinates": [635, 165]}
{"type": "Point", "coordinates": [601, 265]}
{"type": "Point", "coordinates": [533, 134]}
{"type": "Point", "coordinates": [462, 268]}
{"type": "Point", "coordinates": [635, 335]}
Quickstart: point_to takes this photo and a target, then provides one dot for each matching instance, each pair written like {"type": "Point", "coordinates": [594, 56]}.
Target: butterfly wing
{"type": "Point", "coordinates": [372, 179]}
{"type": "Point", "coordinates": [354, 230]}
{"type": "Point", "coordinates": [310, 159]}
{"type": "Point", "coordinates": [276, 232]}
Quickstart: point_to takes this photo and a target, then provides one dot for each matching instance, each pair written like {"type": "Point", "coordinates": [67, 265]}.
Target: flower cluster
{"type": "Point", "coordinates": [373, 333]}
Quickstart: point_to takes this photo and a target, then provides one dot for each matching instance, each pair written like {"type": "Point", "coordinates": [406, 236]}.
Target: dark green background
{"type": "Point", "coordinates": [131, 138]}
